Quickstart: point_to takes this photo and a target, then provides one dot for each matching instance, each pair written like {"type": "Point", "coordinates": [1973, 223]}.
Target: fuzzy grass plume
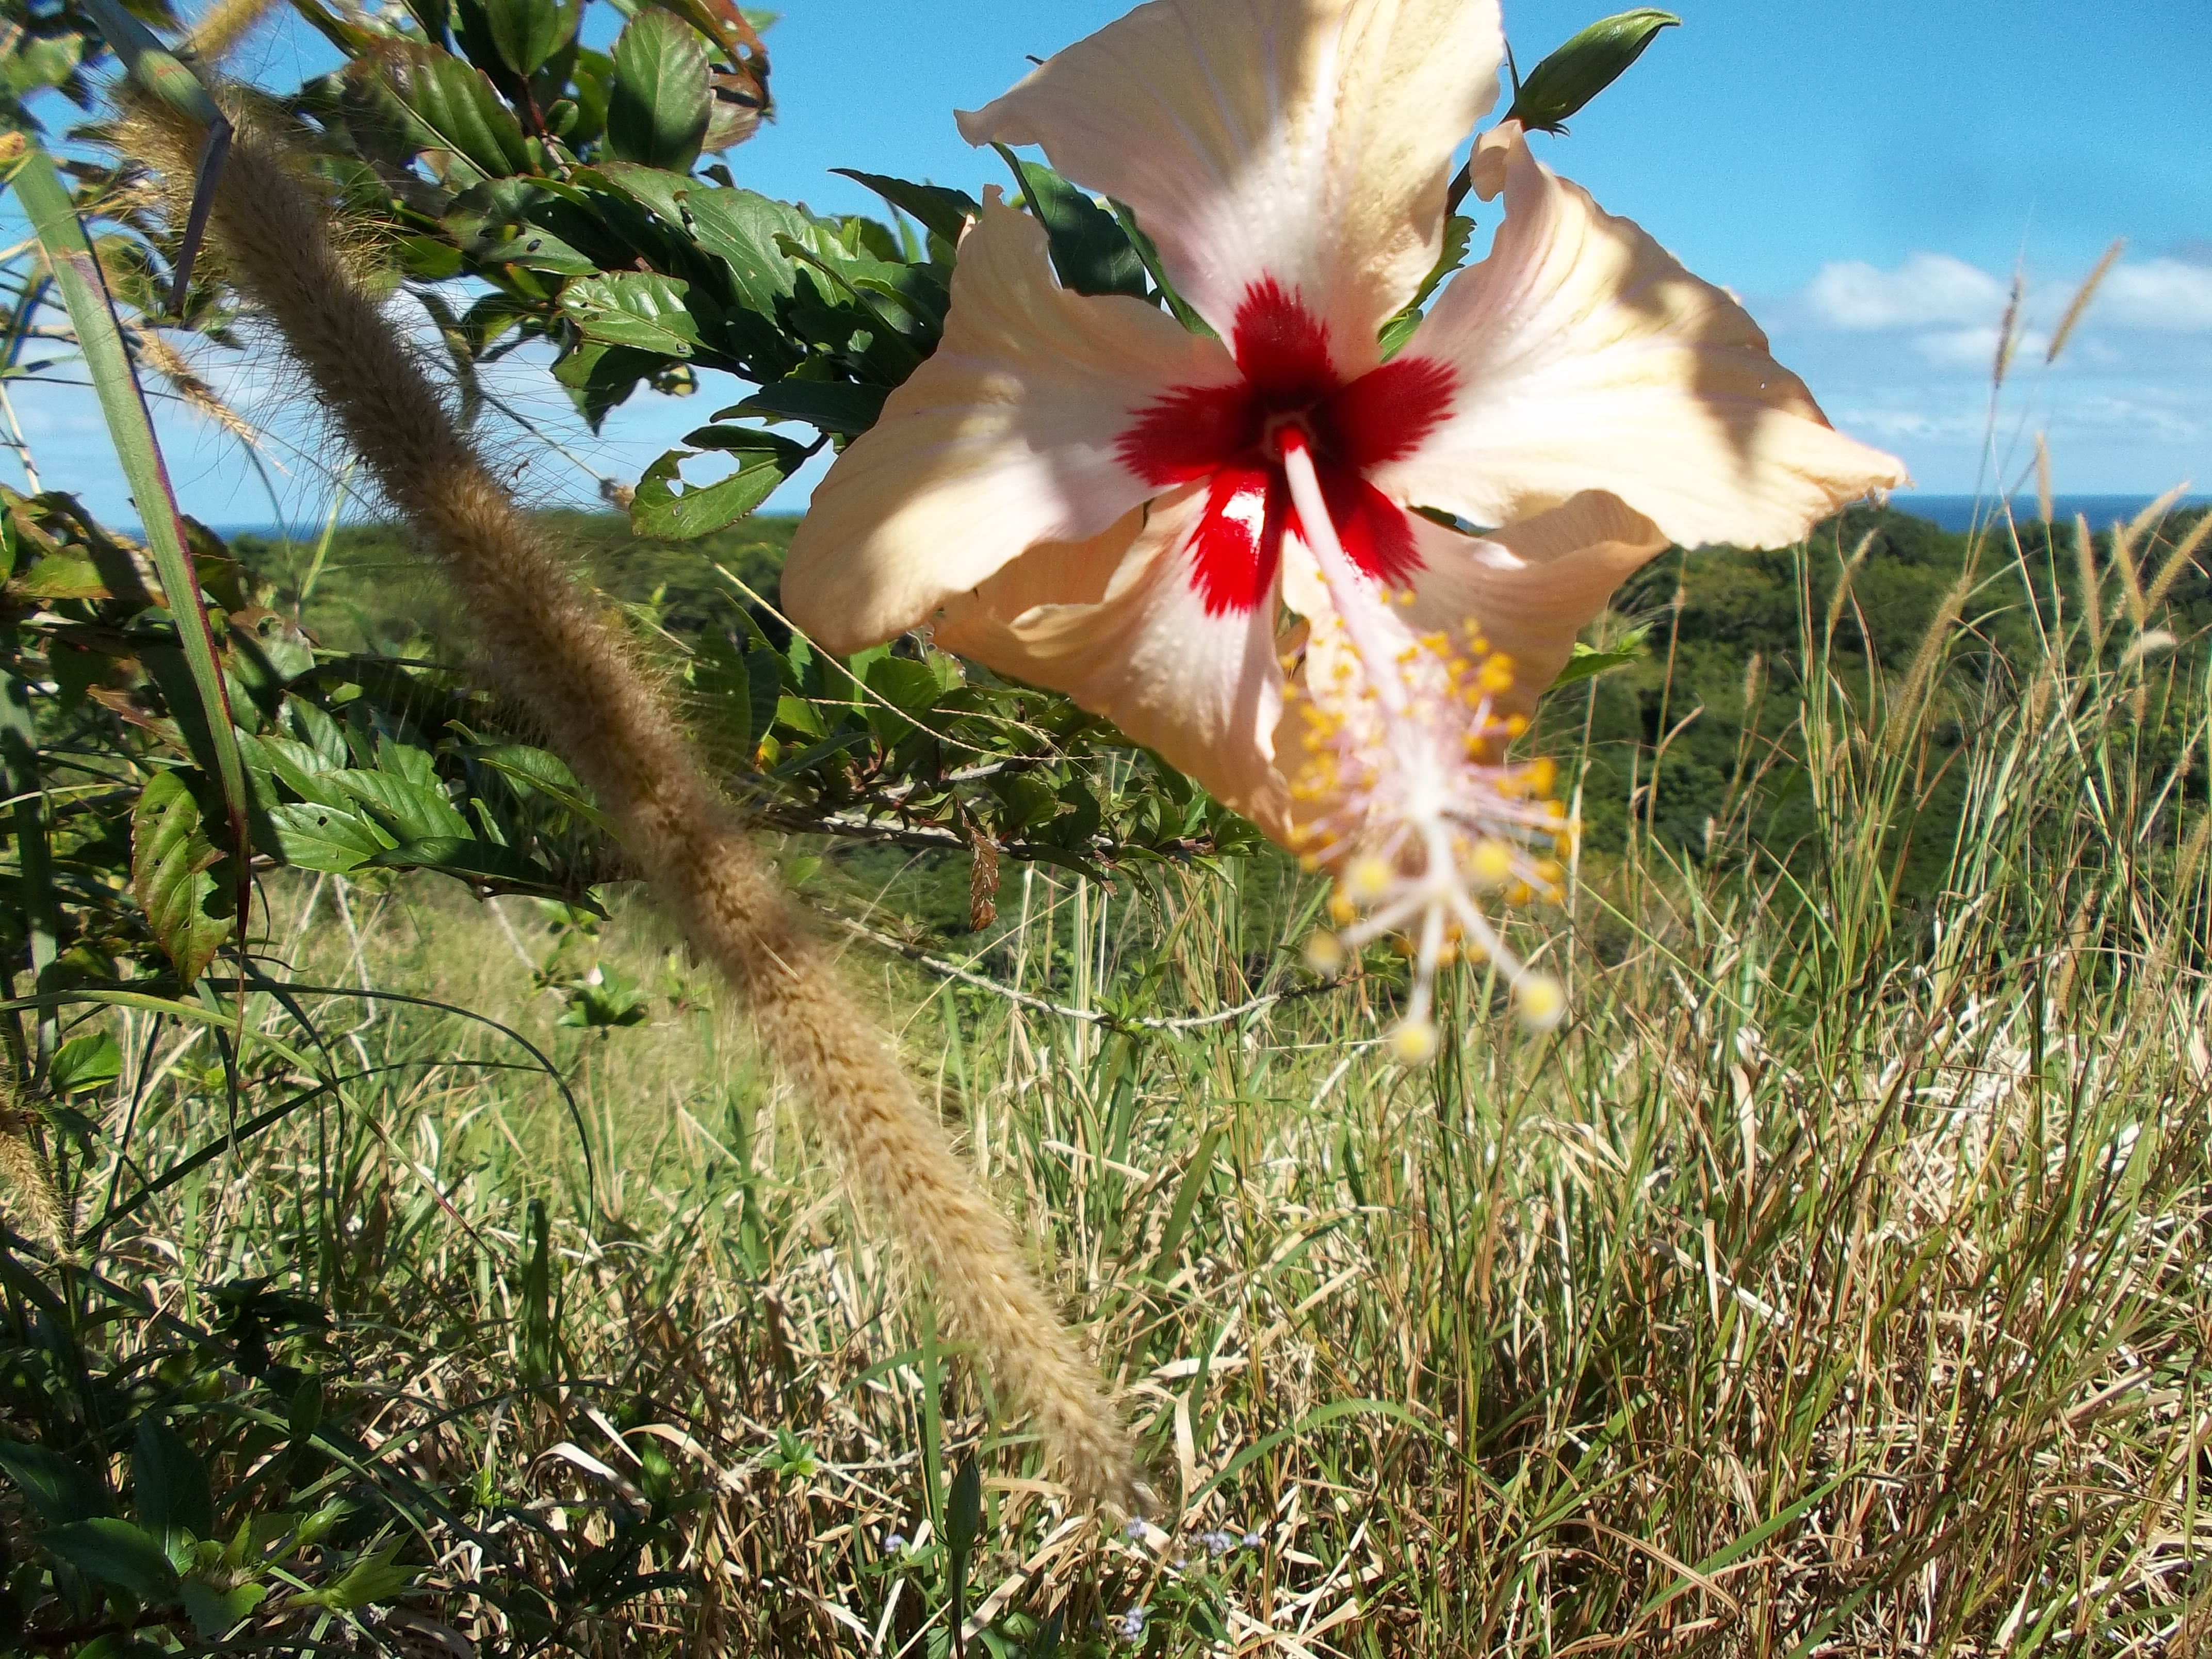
{"type": "Point", "coordinates": [27, 1198]}
{"type": "Point", "coordinates": [547, 641]}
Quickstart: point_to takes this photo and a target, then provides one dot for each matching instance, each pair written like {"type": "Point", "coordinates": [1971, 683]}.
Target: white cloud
{"type": "Point", "coordinates": [1927, 291]}
{"type": "Point", "coordinates": [2165, 296]}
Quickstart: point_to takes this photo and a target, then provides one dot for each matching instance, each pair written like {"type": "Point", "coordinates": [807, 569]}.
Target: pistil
{"type": "Point", "coordinates": [1420, 817]}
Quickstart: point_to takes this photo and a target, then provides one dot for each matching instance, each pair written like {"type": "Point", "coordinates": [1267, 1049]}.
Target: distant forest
{"type": "Point", "coordinates": [1715, 644]}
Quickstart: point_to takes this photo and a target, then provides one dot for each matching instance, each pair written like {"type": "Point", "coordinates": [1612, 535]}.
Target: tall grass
{"type": "Point", "coordinates": [1831, 1282]}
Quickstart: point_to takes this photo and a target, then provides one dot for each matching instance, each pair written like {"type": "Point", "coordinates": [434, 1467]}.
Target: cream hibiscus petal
{"type": "Point", "coordinates": [1011, 434]}
{"type": "Point", "coordinates": [1527, 590]}
{"type": "Point", "coordinates": [1196, 681]}
{"type": "Point", "coordinates": [1582, 356]}
{"type": "Point", "coordinates": [1288, 157]}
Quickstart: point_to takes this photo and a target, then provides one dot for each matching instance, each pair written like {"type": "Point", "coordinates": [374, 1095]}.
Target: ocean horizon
{"type": "Point", "coordinates": [1952, 513]}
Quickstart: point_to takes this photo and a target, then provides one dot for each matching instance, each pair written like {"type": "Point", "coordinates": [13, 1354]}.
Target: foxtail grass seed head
{"type": "Point", "coordinates": [610, 718]}
{"type": "Point", "coordinates": [1411, 798]}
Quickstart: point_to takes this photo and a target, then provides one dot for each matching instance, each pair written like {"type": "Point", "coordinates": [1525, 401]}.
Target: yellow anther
{"type": "Point", "coordinates": [1543, 773]}
{"type": "Point", "coordinates": [1325, 953]}
{"type": "Point", "coordinates": [1341, 910]}
{"type": "Point", "coordinates": [1490, 864]}
{"type": "Point", "coordinates": [1516, 725]}
{"type": "Point", "coordinates": [1519, 893]}
{"type": "Point", "coordinates": [1541, 1001]}
{"type": "Point", "coordinates": [1549, 870]}
{"type": "Point", "coordinates": [1368, 878]}
{"type": "Point", "coordinates": [1413, 1042]}
{"type": "Point", "coordinates": [1497, 676]}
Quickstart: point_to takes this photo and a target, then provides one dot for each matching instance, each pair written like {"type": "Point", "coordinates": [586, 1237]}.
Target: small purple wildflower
{"type": "Point", "coordinates": [1130, 1626]}
{"type": "Point", "coordinates": [1217, 1544]}
{"type": "Point", "coordinates": [1252, 1540]}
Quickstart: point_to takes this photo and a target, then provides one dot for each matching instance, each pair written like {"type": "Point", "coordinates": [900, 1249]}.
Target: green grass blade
{"type": "Point", "coordinates": [84, 294]}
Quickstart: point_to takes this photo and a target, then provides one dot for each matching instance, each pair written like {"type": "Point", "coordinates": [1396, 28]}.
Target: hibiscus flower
{"type": "Point", "coordinates": [1079, 492]}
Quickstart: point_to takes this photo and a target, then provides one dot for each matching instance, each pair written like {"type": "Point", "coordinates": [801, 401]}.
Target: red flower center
{"type": "Point", "coordinates": [1226, 434]}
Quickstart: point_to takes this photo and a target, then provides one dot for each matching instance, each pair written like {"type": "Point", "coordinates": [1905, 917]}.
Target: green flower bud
{"type": "Point", "coordinates": [1584, 67]}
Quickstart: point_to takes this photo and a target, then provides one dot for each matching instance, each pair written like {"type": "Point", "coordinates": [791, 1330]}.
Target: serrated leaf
{"type": "Point", "coordinates": [1459, 234]}
{"type": "Point", "coordinates": [658, 111]}
{"type": "Point", "coordinates": [57, 1489]}
{"type": "Point", "coordinates": [642, 310]}
{"type": "Point", "coordinates": [737, 226]}
{"type": "Point", "coordinates": [330, 839]}
{"type": "Point", "coordinates": [85, 1063]}
{"type": "Point", "coordinates": [452, 106]}
{"type": "Point", "coordinates": [1090, 250]}
{"type": "Point", "coordinates": [660, 508]}
{"type": "Point", "coordinates": [169, 1483]}
{"type": "Point", "coordinates": [410, 810]}
{"type": "Point", "coordinates": [116, 1553]}
{"type": "Point", "coordinates": [170, 858]}
{"type": "Point", "coordinates": [545, 774]}
{"type": "Point", "coordinates": [1585, 66]}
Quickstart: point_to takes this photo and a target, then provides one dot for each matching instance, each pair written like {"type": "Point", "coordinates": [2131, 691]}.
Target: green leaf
{"type": "Point", "coordinates": [116, 1553]}
{"type": "Point", "coordinates": [941, 211]}
{"type": "Point", "coordinates": [963, 1516]}
{"type": "Point", "coordinates": [479, 863]}
{"type": "Point", "coordinates": [658, 112]}
{"type": "Point", "coordinates": [453, 107]}
{"type": "Point", "coordinates": [372, 1578]}
{"type": "Point", "coordinates": [528, 32]}
{"type": "Point", "coordinates": [56, 1488]}
{"type": "Point", "coordinates": [215, 1613]}
{"type": "Point", "coordinates": [639, 309]}
{"type": "Point", "coordinates": [660, 507]}
{"type": "Point", "coordinates": [837, 406]}
{"type": "Point", "coordinates": [535, 770]}
{"type": "Point", "coordinates": [85, 1063]}
{"type": "Point", "coordinates": [737, 226]}
{"type": "Point", "coordinates": [169, 1483]}
{"type": "Point", "coordinates": [411, 810]}
{"type": "Point", "coordinates": [170, 858]}
{"type": "Point", "coordinates": [1587, 661]}
{"type": "Point", "coordinates": [1459, 231]}
{"type": "Point", "coordinates": [1090, 250]}
{"type": "Point", "coordinates": [53, 219]}
{"type": "Point", "coordinates": [1559, 86]}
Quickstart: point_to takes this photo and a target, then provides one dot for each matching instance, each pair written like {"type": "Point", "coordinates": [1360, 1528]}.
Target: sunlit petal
{"type": "Point", "coordinates": [1009, 435]}
{"type": "Point", "coordinates": [1582, 356]}
{"type": "Point", "coordinates": [1304, 143]}
{"type": "Point", "coordinates": [1135, 640]}
{"type": "Point", "coordinates": [1529, 589]}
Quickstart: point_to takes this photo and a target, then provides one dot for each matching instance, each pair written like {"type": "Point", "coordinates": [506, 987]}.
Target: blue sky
{"type": "Point", "coordinates": [1868, 177]}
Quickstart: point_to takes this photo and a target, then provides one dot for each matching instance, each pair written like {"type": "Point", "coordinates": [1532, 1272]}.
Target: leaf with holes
{"type": "Point", "coordinates": [642, 310]}
{"type": "Point", "coordinates": [662, 508]}
{"type": "Point", "coordinates": [171, 862]}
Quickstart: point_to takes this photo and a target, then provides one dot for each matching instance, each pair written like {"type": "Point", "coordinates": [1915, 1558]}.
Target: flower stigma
{"type": "Point", "coordinates": [1417, 812]}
